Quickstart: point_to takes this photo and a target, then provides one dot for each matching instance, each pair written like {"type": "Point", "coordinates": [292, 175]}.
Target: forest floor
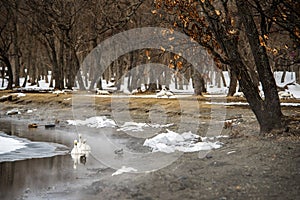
{"type": "Point", "coordinates": [248, 166]}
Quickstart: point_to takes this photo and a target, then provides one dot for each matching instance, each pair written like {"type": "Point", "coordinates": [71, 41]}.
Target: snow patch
{"type": "Point", "coordinates": [186, 142]}
{"type": "Point", "coordinates": [295, 90]}
{"type": "Point", "coordinates": [21, 95]}
{"type": "Point", "coordinates": [13, 112]}
{"type": "Point", "coordinates": [124, 169]}
{"type": "Point", "coordinates": [94, 122]}
{"type": "Point", "coordinates": [246, 104]}
{"type": "Point", "coordinates": [138, 127]}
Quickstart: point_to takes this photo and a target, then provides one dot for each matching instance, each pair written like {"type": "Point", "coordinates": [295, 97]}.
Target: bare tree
{"type": "Point", "coordinates": [217, 26]}
{"type": "Point", "coordinates": [6, 39]}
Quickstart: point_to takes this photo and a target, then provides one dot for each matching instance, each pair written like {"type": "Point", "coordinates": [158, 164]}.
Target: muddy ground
{"type": "Point", "coordinates": [248, 166]}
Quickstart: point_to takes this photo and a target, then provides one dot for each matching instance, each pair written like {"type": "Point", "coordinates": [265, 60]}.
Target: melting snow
{"type": "Point", "coordinates": [124, 169]}
{"type": "Point", "coordinates": [295, 90]}
{"type": "Point", "coordinates": [21, 95]}
{"type": "Point", "coordinates": [13, 112]}
{"type": "Point", "coordinates": [8, 144]}
{"type": "Point", "coordinates": [137, 127]}
{"type": "Point", "coordinates": [246, 104]}
{"type": "Point", "coordinates": [186, 142]}
{"type": "Point", "coordinates": [94, 122]}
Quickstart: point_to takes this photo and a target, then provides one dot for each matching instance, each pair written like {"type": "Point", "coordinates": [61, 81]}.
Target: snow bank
{"type": "Point", "coordinates": [186, 142]}
{"type": "Point", "coordinates": [137, 127]}
{"type": "Point", "coordinates": [94, 122]}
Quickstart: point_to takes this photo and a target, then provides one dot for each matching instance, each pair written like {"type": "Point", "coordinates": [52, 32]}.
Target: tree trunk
{"type": "Point", "coordinates": [268, 112]}
{"type": "Point", "coordinates": [223, 78]}
{"type": "Point", "coordinates": [187, 77]}
{"type": "Point", "coordinates": [180, 80]}
{"type": "Point", "coordinates": [152, 82]}
{"type": "Point", "coordinates": [218, 78]}
{"type": "Point", "coordinates": [61, 64]}
{"type": "Point", "coordinates": [2, 74]}
{"type": "Point", "coordinates": [283, 76]}
{"type": "Point", "coordinates": [16, 48]}
{"type": "Point", "coordinates": [232, 84]}
{"type": "Point", "coordinates": [25, 79]}
{"type": "Point", "coordinates": [198, 83]}
{"type": "Point", "coordinates": [119, 71]}
{"type": "Point", "coordinates": [54, 61]}
{"type": "Point", "coordinates": [77, 70]}
{"type": "Point", "coordinates": [29, 57]}
{"type": "Point", "coordinates": [32, 72]}
{"type": "Point", "coordinates": [296, 69]}
{"type": "Point", "coordinates": [9, 72]}
{"type": "Point", "coordinates": [99, 84]}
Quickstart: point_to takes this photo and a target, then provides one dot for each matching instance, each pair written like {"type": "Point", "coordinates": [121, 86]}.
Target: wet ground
{"type": "Point", "coordinates": [246, 167]}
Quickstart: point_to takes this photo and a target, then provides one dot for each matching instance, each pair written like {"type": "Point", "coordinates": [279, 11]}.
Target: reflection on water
{"type": "Point", "coordinates": [80, 151]}
{"type": "Point", "coordinates": [33, 174]}
{"type": "Point", "coordinates": [79, 159]}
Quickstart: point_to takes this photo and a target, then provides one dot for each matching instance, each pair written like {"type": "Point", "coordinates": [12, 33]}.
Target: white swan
{"type": "Point", "coordinates": [76, 149]}
{"type": "Point", "coordinates": [85, 149]}
{"type": "Point", "coordinates": [80, 153]}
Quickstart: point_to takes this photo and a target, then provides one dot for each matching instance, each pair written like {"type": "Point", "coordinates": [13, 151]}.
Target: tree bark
{"type": "Point", "coordinates": [77, 70]}
{"type": "Point", "coordinates": [16, 47]}
{"type": "Point", "coordinates": [223, 79]}
{"type": "Point", "coordinates": [54, 61]}
{"type": "Point", "coordinates": [199, 85]}
{"type": "Point", "coordinates": [61, 64]}
{"type": "Point", "coordinates": [152, 82]}
{"type": "Point", "coordinates": [9, 72]}
{"type": "Point", "coordinates": [232, 84]}
{"type": "Point", "coordinates": [283, 76]}
{"type": "Point", "coordinates": [268, 112]}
